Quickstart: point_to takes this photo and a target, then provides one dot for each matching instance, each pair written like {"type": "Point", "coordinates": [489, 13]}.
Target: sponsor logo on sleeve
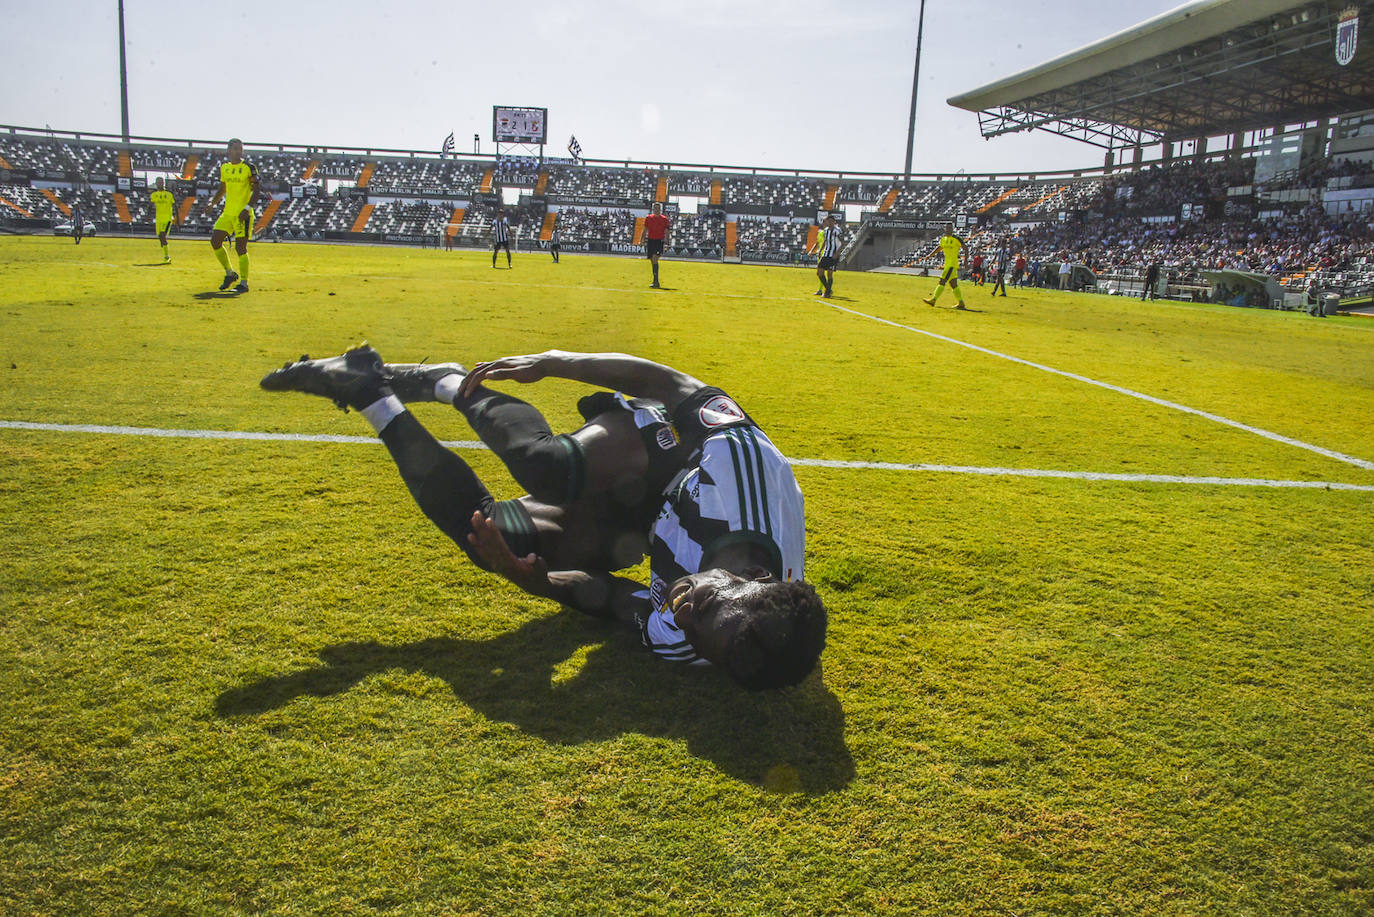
{"type": "Point", "coordinates": [719, 411]}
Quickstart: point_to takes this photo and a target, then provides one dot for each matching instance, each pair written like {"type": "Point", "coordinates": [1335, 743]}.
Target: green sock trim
{"type": "Point", "coordinates": [516, 527]}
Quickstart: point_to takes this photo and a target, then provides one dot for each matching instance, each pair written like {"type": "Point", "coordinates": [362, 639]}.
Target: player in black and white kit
{"type": "Point", "coordinates": [829, 249]}
{"type": "Point", "coordinates": [680, 472]}
{"type": "Point", "coordinates": [500, 237]}
{"type": "Point", "coordinates": [555, 243]}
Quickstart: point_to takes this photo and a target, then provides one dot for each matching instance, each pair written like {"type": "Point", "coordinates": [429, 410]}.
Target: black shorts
{"type": "Point", "coordinates": [496, 246]}
{"type": "Point", "coordinates": [653, 247]}
{"type": "Point", "coordinates": [826, 264]}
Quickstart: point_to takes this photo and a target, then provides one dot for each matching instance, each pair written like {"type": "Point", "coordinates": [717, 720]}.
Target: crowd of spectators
{"type": "Point", "coordinates": [770, 239]}
{"type": "Point", "coordinates": [576, 225]}
{"type": "Point", "coordinates": [1187, 217]}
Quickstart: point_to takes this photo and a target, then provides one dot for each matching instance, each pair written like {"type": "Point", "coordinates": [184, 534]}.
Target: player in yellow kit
{"type": "Point", "coordinates": [951, 245]}
{"type": "Point", "coordinates": [238, 185]}
{"type": "Point", "coordinates": [164, 207]}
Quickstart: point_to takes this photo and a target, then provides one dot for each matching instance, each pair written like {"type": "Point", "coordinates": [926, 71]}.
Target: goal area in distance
{"type": "Point", "coordinates": [474, 235]}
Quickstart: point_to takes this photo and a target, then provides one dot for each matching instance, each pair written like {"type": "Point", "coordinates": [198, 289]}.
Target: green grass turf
{"type": "Point", "coordinates": [249, 677]}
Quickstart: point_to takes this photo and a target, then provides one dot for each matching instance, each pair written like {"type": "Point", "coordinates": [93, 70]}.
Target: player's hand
{"type": "Point", "coordinates": [527, 368]}
{"type": "Point", "coordinates": [530, 572]}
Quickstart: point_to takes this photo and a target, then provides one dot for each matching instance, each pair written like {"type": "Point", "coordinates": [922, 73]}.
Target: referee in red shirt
{"type": "Point", "coordinates": [655, 234]}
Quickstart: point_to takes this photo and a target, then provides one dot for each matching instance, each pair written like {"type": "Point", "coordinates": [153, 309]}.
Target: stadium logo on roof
{"type": "Point", "coordinates": [1347, 35]}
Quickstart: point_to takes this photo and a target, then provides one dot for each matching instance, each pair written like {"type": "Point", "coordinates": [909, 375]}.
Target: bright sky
{"type": "Point", "coordinates": [815, 84]}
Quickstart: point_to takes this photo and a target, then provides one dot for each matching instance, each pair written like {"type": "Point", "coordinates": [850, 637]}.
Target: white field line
{"type": "Point", "coordinates": [1276, 437]}
{"type": "Point", "coordinates": [1216, 418]}
{"type": "Point", "coordinates": [800, 462]}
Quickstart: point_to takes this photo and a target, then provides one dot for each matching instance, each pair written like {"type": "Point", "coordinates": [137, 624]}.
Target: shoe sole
{"type": "Point", "coordinates": [311, 378]}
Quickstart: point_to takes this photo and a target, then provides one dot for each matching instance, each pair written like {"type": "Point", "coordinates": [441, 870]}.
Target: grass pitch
{"type": "Point", "coordinates": [247, 676]}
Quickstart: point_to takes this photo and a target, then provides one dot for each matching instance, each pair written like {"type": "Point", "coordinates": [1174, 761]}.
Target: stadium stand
{"type": "Point", "coordinates": [587, 181]}
{"type": "Point", "coordinates": [1301, 220]}
{"type": "Point", "coordinates": [763, 239]}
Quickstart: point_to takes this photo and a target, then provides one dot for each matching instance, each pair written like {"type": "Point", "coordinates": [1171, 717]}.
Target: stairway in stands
{"type": "Point", "coordinates": [57, 201]}
{"type": "Point", "coordinates": [546, 231]}
{"type": "Point", "coordinates": [455, 223]}
{"type": "Point", "coordinates": [267, 214]}
{"type": "Point", "coordinates": [360, 224]}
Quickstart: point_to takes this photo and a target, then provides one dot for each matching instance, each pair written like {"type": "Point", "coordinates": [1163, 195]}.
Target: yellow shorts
{"type": "Point", "coordinates": [162, 225]}
{"type": "Point", "coordinates": [951, 273]}
{"type": "Point", "coordinates": [234, 225]}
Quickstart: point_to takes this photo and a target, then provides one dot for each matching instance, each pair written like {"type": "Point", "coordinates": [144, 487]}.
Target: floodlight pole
{"type": "Point", "coordinates": [123, 76]}
{"type": "Point", "coordinates": [915, 85]}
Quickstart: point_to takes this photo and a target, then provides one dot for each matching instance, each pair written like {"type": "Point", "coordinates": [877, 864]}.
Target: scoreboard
{"type": "Point", "coordinates": [519, 125]}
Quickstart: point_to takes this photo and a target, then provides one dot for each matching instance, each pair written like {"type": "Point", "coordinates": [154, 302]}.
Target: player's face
{"type": "Point", "coordinates": [709, 607]}
{"type": "Point", "coordinates": [235, 151]}
{"type": "Point", "coordinates": [159, 184]}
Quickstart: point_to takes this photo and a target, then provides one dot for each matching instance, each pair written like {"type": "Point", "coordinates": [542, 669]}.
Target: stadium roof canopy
{"type": "Point", "coordinates": [1207, 68]}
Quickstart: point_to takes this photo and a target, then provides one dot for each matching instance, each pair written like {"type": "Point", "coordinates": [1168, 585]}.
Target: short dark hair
{"type": "Point", "coordinates": [781, 637]}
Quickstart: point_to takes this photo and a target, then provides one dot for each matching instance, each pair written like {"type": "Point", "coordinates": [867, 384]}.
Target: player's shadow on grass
{"type": "Point", "coordinates": [215, 294]}
{"type": "Point", "coordinates": [153, 264]}
{"type": "Point", "coordinates": [787, 741]}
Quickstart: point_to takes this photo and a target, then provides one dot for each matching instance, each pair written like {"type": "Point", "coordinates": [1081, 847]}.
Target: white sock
{"type": "Point", "coordinates": [383, 411]}
{"type": "Point", "coordinates": [446, 389]}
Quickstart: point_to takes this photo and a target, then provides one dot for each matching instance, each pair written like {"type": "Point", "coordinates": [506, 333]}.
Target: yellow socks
{"type": "Point", "coordinates": [223, 257]}
{"type": "Point", "coordinates": [243, 267]}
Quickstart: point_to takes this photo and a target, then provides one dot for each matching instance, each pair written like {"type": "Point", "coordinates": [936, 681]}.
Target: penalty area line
{"type": "Point", "coordinates": [156, 432]}
{"type": "Point", "coordinates": [1172, 405]}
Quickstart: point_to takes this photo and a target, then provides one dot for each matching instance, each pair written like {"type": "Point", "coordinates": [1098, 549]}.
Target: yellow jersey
{"type": "Point", "coordinates": [163, 202]}
{"type": "Point", "coordinates": [951, 246]}
{"type": "Point", "coordinates": [238, 185]}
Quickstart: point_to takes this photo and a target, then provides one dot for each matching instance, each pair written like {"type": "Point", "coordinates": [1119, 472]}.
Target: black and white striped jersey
{"type": "Point", "coordinates": [830, 242]}
{"type": "Point", "coordinates": [738, 487]}
{"type": "Point", "coordinates": [500, 230]}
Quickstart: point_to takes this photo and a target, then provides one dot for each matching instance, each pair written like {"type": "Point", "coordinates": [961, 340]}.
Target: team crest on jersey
{"type": "Point", "coordinates": [719, 411]}
{"type": "Point", "coordinates": [657, 593]}
{"type": "Point", "coordinates": [667, 438]}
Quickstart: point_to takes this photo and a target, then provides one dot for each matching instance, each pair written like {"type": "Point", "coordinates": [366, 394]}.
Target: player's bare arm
{"type": "Point", "coordinates": [595, 593]}
{"type": "Point", "coordinates": [621, 372]}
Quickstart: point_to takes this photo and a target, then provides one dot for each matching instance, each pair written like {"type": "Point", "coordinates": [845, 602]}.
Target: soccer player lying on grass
{"type": "Point", "coordinates": [680, 471]}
